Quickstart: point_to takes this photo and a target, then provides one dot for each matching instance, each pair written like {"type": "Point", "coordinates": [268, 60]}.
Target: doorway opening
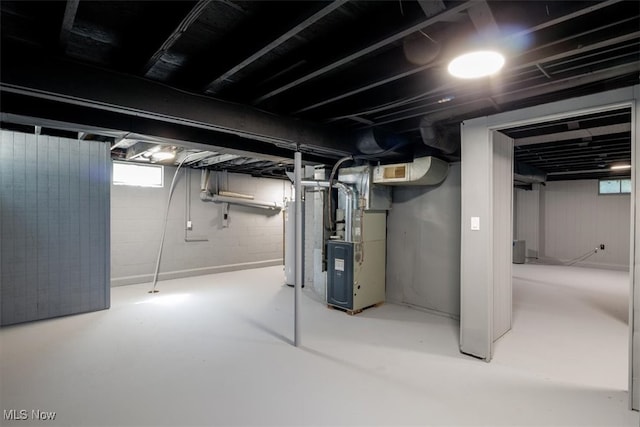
{"type": "Point", "coordinates": [571, 241]}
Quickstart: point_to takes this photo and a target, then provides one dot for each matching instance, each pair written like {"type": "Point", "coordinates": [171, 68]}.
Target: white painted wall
{"type": "Point", "coordinates": [575, 219]}
{"type": "Point", "coordinates": [423, 246]}
{"type": "Point", "coordinates": [254, 237]}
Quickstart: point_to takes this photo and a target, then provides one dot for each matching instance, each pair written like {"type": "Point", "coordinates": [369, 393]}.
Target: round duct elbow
{"type": "Point", "coordinates": [376, 141]}
{"type": "Point", "coordinates": [434, 139]}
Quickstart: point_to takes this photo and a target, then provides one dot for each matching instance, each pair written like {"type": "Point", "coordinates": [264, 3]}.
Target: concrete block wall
{"type": "Point", "coordinates": [253, 237]}
{"type": "Point", "coordinates": [423, 246]}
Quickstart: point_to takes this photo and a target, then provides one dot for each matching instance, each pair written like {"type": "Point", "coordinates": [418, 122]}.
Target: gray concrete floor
{"type": "Point", "coordinates": [215, 350]}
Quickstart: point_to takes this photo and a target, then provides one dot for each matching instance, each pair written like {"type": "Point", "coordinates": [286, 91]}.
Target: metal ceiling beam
{"type": "Point", "coordinates": [184, 25]}
{"type": "Point", "coordinates": [69, 18]}
{"type": "Point", "coordinates": [366, 50]}
{"type": "Point", "coordinates": [214, 85]}
{"type": "Point", "coordinates": [100, 91]}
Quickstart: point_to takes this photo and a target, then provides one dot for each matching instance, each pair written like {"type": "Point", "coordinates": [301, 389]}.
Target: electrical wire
{"type": "Point", "coordinates": [164, 224]}
{"type": "Point", "coordinates": [582, 257]}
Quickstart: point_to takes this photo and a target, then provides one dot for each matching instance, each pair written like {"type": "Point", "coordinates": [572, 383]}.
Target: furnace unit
{"type": "Point", "coordinates": [356, 259]}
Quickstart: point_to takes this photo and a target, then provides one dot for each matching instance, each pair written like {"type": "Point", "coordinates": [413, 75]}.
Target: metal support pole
{"type": "Point", "coordinates": [298, 263]}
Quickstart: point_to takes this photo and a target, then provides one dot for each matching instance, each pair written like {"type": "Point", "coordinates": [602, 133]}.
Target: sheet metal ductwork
{"type": "Point", "coordinates": [524, 172]}
{"type": "Point", "coordinates": [432, 137]}
{"type": "Point", "coordinates": [375, 141]}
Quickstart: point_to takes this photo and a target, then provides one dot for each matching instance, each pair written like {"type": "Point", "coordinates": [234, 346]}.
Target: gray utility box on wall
{"type": "Point", "coordinates": [356, 270]}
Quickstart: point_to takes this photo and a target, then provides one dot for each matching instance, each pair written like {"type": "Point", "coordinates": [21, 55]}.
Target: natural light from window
{"type": "Point", "coordinates": [137, 175]}
{"type": "Point", "coordinates": [615, 186]}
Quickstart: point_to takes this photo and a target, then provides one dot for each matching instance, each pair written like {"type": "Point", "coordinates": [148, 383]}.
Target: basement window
{"type": "Point", "coordinates": [615, 186]}
{"type": "Point", "coordinates": [137, 175]}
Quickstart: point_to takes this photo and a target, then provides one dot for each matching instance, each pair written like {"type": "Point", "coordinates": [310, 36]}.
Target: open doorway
{"type": "Point", "coordinates": [478, 260]}
{"type": "Point", "coordinates": [571, 232]}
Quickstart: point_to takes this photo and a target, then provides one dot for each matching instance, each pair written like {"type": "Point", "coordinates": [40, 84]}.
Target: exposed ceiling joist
{"type": "Point", "coordinates": [210, 161]}
{"type": "Point", "coordinates": [460, 110]}
{"type": "Point", "coordinates": [565, 18]}
{"type": "Point", "coordinates": [453, 87]}
{"type": "Point", "coordinates": [574, 134]}
{"type": "Point", "coordinates": [431, 7]}
{"type": "Point", "coordinates": [184, 25]}
{"type": "Point", "coordinates": [75, 84]}
{"type": "Point", "coordinates": [69, 18]}
{"type": "Point", "coordinates": [579, 50]}
{"type": "Point", "coordinates": [483, 20]}
{"type": "Point", "coordinates": [366, 50]}
{"type": "Point", "coordinates": [214, 85]}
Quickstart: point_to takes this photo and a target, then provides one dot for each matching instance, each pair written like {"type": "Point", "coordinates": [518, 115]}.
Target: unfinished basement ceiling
{"type": "Point", "coordinates": [582, 147]}
{"type": "Point", "coordinates": [340, 68]}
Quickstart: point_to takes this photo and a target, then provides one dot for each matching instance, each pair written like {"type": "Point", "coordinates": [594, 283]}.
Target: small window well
{"type": "Point", "coordinates": [137, 175]}
{"type": "Point", "coordinates": [615, 186]}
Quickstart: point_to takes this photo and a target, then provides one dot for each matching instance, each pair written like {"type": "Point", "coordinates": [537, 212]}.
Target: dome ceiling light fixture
{"type": "Point", "coordinates": [474, 65]}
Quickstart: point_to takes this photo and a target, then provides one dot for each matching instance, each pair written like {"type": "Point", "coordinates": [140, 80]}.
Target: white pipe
{"type": "Point", "coordinates": [216, 198]}
{"type": "Point", "coordinates": [298, 264]}
{"type": "Point", "coordinates": [237, 195]}
{"type": "Point", "coordinates": [204, 180]}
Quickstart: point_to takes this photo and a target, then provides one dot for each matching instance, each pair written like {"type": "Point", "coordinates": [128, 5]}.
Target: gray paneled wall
{"type": "Point", "coordinates": [423, 246]}
{"type": "Point", "coordinates": [502, 239]}
{"type": "Point", "coordinates": [54, 226]}
{"type": "Point", "coordinates": [573, 219]}
{"type": "Point", "coordinates": [253, 237]}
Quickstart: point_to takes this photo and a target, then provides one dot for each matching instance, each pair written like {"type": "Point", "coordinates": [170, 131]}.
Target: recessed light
{"type": "Point", "coordinates": [474, 65]}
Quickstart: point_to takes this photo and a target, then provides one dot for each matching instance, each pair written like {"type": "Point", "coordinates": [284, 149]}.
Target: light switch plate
{"type": "Point", "coordinates": [475, 223]}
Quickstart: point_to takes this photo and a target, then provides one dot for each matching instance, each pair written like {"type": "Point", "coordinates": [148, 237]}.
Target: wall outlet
{"type": "Point", "coordinates": [602, 246]}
